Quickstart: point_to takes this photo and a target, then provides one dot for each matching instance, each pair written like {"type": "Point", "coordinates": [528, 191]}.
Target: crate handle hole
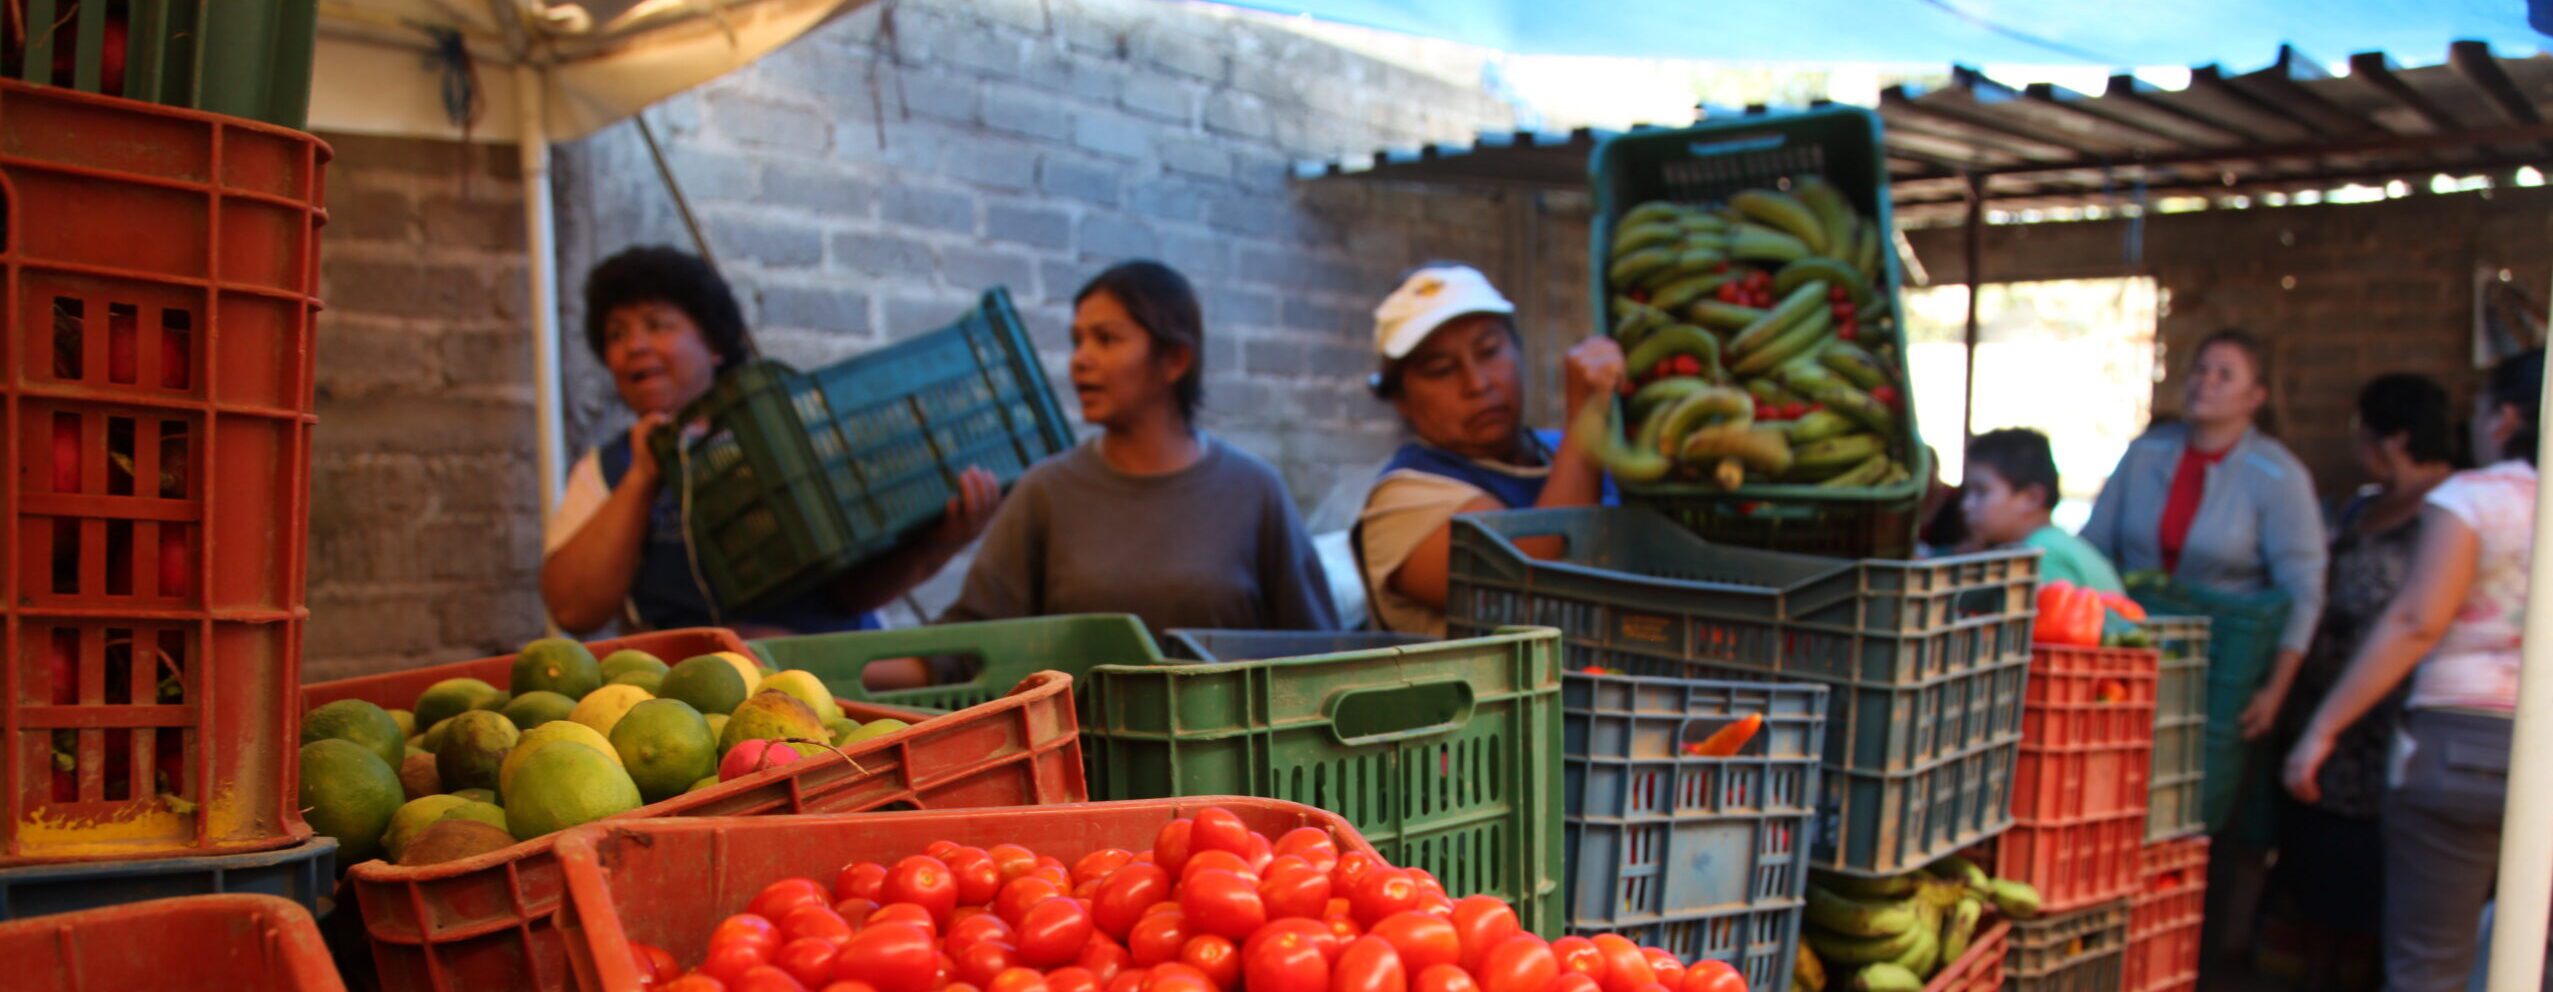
{"type": "Point", "coordinates": [70, 330]}
{"type": "Point", "coordinates": [123, 346]}
{"type": "Point", "coordinates": [177, 332]}
{"type": "Point", "coordinates": [1424, 709]}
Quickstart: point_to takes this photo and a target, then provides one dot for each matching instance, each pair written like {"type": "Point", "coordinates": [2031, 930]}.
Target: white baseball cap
{"type": "Point", "coordinates": [1426, 300]}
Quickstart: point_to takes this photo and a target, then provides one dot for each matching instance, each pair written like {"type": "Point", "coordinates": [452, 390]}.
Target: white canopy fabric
{"type": "Point", "coordinates": [377, 69]}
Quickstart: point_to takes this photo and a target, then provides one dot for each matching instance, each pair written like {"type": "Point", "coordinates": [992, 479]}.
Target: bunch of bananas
{"type": "Point", "coordinates": [1744, 326]}
{"type": "Point", "coordinates": [1893, 934]}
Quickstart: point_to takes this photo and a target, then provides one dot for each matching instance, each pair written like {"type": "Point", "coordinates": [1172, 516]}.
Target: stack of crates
{"type": "Point", "coordinates": [2165, 917]}
{"type": "Point", "coordinates": [2079, 789]}
{"type": "Point", "coordinates": [2081, 951]}
{"type": "Point", "coordinates": [1923, 662]}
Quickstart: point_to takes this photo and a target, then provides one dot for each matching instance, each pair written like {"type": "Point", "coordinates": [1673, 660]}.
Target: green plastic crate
{"type": "Point", "coordinates": [244, 58]}
{"type": "Point", "coordinates": [1001, 652]}
{"type": "Point", "coordinates": [2180, 723]}
{"type": "Point", "coordinates": [1925, 661]}
{"type": "Point", "coordinates": [1445, 755]}
{"type": "Point", "coordinates": [801, 476]}
{"type": "Point", "coordinates": [2243, 630]}
{"type": "Point", "coordinates": [1706, 163]}
{"type": "Point", "coordinates": [1197, 644]}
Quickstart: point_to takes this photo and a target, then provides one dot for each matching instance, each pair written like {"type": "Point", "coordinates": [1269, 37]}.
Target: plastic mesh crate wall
{"type": "Point", "coordinates": [2082, 951]}
{"type": "Point", "coordinates": [2180, 726]}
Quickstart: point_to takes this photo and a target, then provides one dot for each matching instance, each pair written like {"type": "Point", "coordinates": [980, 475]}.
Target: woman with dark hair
{"type": "Point", "coordinates": [2404, 443]}
{"type": "Point", "coordinates": [1153, 516]}
{"type": "Point", "coordinates": [664, 324]}
{"type": "Point", "coordinates": [2452, 631]}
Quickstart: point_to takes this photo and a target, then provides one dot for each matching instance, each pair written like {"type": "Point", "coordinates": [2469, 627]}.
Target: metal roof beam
{"type": "Point", "coordinates": [1977, 128]}
{"type": "Point", "coordinates": [2381, 143]}
{"type": "Point", "coordinates": [2128, 91]}
{"type": "Point", "coordinates": [2377, 71]}
{"type": "Point", "coordinates": [2473, 61]}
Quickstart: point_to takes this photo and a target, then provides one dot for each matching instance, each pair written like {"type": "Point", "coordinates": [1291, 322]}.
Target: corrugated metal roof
{"type": "Point", "coordinates": [2291, 125]}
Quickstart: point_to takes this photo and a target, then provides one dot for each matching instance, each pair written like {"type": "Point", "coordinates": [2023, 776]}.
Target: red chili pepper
{"type": "Point", "coordinates": [1886, 396]}
{"type": "Point", "coordinates": [1794, 410]}
{"type": "Point", "coordinates": [1843, 311]}
{"type": "Point", "coordinates": [1730, 292]}
{"type": "Point", "coordinates": [1639, 296]}
{"type": "Point", "coordinates": [1847, 331]}
{"type": "Point", "coordinates": [1837, 294]}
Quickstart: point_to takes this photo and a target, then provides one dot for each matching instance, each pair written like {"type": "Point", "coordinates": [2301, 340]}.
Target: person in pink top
{"type": "Point", "coordinates": [2454, 631]}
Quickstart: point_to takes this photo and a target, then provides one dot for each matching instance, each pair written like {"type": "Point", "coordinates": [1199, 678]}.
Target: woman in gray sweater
{"type": "Point", "coordinates": [1153, 517]}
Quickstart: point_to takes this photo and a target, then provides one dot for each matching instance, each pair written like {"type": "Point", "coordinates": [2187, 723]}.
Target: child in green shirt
{"type": "Point", "coordinates": [2011, 485]}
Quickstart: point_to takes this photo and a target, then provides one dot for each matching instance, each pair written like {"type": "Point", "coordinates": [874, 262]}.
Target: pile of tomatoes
{"type": "Point", "coordinates": [1212, 907]}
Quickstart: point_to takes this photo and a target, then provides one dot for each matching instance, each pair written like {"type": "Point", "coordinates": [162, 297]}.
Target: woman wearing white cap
{"type": "Point", "coordinates": [1453, 367]}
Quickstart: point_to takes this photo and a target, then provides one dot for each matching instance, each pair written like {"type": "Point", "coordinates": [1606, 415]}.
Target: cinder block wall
{"type": "Point", "coordinates": [2341, 293]}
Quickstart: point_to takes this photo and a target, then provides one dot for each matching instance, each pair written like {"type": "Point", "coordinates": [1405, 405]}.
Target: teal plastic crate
{"type": "Point", "coordinates": [244, 58]}
{"type": "Point", "coordinates": [1925, 662]}
{"type": "Point", "coordinates": [1704, 856]}
{"type": "Point", "coordinates": [999, 652]}
{"type": "Point", "coordinates": [1195, 644]}
{"type": "Point", "coordinates": [1446, 756]}
{"type": "Point", "coordinates": [2243, 630]}
{"type": "Point", "coordinates": [801, 476]}
{"type": "Point", "coordinates": [303, 873]}
{"type": "Point", "coordinates": [2180, 724]}
{"type": "Point", "coordinates": [1705, 164]}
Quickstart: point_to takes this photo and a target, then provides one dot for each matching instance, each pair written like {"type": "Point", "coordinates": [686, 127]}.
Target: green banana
{"type": "Point", "coordinates": [1663, 391]}
{"type": "Point", "coordinates": [1723, 316]}
{"type": "Point", "coordinates": [1818, 425]}
{"type": "Point", "coordinates": [1633, 320]}
{"type": "Point", "coordinates": [1940, 893]}
{"type": "Point", "coordinates": [1820, 267]}
{"type": "Point", "coordinates": [1820, 384]}
{"type": "Point", "coordinates": [1866, 887]}
{"type": "Point", "coordinates": [1868, 242]}
{"type": "Point", "coordinates": [1628, 463]}
{"type": "Point", "coordinates": [1836, 949]}
{"type": "Point", "coordinates": [1850, 917]}
{"type": "Point", "coordinates": [1833, 214]}
{"type": "Point", "coordinates": [1634, 237]}
{"type": "Point", "coordinates": [1771, 393]}
{"type": "Point", "coordinates": [1785, 213]}
{"type": "Point", "coordinates": [1697, 222]}
{"type": "Point", "coordinates": [1849, 360]}
{"type": "Point", "coordinates": [1887, 977]}
{"type": "Point", "coordinates": [1868, 473]}
{"type": "Point", "coordinates": [1926, 953]}
{"type": "Point", "coordinates": [2017, 900]}
{"type": "Point", "coordinates": [1656, 210]}
{"type": "Point", "coordinates": [1692, 260]}
{"type": "Point", "coordinates": [1628, 269]}
{"type": "Point", "coordinates": [1731, 451]}
{"type": "Point", "coordinates": [1681, 293]}
{"type": "Point", "coordinates": [1896, 474]}
{"type": "Point", "coordinates": [1675, 339]}
{"type": "Point", "coordinates": [1962, 870]}
{"type": "Point", "coordinates": [1836, 454]}
{"type": "Point", "coordinates": [1808, 971]}
{"type": "Point", "coordinates": [1802, 337]}
{"type": "Point", "coordinates": [1756, 243]}
{"type": "Point", "coordinates": [1800, 303]}
{"type": "Point", "coordinates": [1715, 405]}
{"type": "Point", "coordinates": [1961, 929]}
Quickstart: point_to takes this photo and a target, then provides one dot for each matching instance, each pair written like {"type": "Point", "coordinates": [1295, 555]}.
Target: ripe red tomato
{"type": "Point", "coordinates": [1224, 903]}
{"type": "Point", "coordinates": [905, 912]}
{"type": "Point", "coordinates": [1013, 859]}
{"type": "Point", "coordinates": [1573, 981]}
{"type": "Point", "coordinates": [1351, 869]}
{"type": "Point", "coordinates": [1261, 852]}
{"type": "Point", "coordinates": [807, 959]}
{"type": "Point", "coordinates": [956, 987]}
{"type": "Point", "coordinates": [815, 920]}
{"type": "Point", "coordinates": [694, 982]}
{"type": "Point", "coordinates": [765, 978]}
{"type": "Point", "coordinates": [1293, 888]}
{"type": "Point", "coordinates": [1170, 847]}
{"type": "Point", "coordinates": [1157, 938]}
{"type": "Point", "coordinates": [1285, 958]}
{"type": "Point", "coordinates": [891, 957]}
{"type": "Point", "coordinates": [981, 926]}
{"type": "Point", "coordinates": [1711, 976]}
{"type": "Point", "coordinates": [856, 911]}
{"type": "Point", "coordinates": [778, 898]}
{"type": "Point", "coordinates": [1216, 861]}
{"type": "Point", "coordinates": [1053, 932]}
{"type": "Point", "coordinates": [1664, 963]}
{"type": "Point", "coordinates": [1171, 976]}
{"type": "Point", "coordinates": [1520, 963]}
{"type": "Point", "coordinates": [842, 986]}
{"type": "Point", "coordinates": [1483, 921]}
{"type": "Point", "coordinates": [1020, 894]}
{"type": "Point", "coordinates": [978, 878]}
{"type": "Point", "coordinates": [1382, 892]}
{"type": "Point", "coordinates": [1072, 980]}
{"type": "Point", "coordinates": [1312, 844]}
{"type": "Point", "coordinates": [1625, 968]}
{"type": "Point", "coordinates": [1423, 941]}
{"type": "Point", "coordinates": [1578, 954]}
{"type": "Point", "coordinates": [655, 964]}
{"type": "Point", "coordinates": [1217, 958]}
{"type": "Point", "coordinates": [924, 881]}
{"type": "Point", "coordinates": [1097, 865]}
{"type": "Point", "coordinates": [1130, 980]}
{"type": "Point", "coordinates": [728, 962]}
{"type": "Point", "coordinates": [747, 928]}
{"type": "Point", "coordinates": [982, 959]}
{"type": "Point", "coordinates": [1103, 957]}
{"type": "Point", "coordinates": [940, 847]}
{"type": "Point", "coordinates": [1426, 879]}
{"type": "Point", "coordinates": [1369, 964]}
{"type": "Point", "coordinates": [1126, 894]}
{"type": "Point", "coordinates": [1218, 829]}
{"type": "Point", "coordinates": [1018, 980]}
{"type": "Point", "coordinates": [1343, 927]}
{"type": "Point", "coordinates": [1443, 978]}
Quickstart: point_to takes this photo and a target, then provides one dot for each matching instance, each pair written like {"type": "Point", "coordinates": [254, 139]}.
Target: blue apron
{"type": "Point", "coordinates": [1513, 491]}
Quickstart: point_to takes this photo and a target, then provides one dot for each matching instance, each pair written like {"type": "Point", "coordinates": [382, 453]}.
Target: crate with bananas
{"type": "Point", "coordinates": [1760, 340]}
{"type": "Point", "coordinates": [1893, 934]}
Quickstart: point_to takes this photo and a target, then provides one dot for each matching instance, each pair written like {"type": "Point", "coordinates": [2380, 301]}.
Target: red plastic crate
{"type": "Point", "coordinates": [1979, 970]}
{"type": "Point", "coordinates": [2074, 864]}
{"type": "Point", "coordinates": [669, 882]}
{"type": "Point", "coordinates": [226, 943]}
{"type": "Point", "coordinates": [161, 268]}
{"type": "Point", "coordinates": [2165, 916]}
{"type": "Point", "coordinates": [486, 922]}
{"type": "Point", "coordinates": [2087, 733]}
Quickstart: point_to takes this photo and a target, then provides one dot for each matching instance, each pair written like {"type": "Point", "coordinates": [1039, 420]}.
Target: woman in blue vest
{"type": "Point", "coordinates": [1453, 366]}
{"type": "Point", "coordinates": [664, 324]}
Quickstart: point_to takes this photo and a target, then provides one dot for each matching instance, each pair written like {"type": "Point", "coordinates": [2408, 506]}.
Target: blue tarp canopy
{"type": "Point", "coordinates": [2106, 33]}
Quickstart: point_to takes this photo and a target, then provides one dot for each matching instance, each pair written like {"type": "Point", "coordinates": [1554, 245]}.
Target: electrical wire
{"type": "Point", "coordinates": [2025, 37]}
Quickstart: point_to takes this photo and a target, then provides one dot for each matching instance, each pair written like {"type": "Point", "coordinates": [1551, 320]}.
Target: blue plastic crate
{"type": "Point", "coordinates": [302, 873]}
{"type": "Point", "coordinates": [1924, 661]}
{"type": "Point", "coordinates": [1196, 644]}
{"type": "Point", "coordinates": [1706, 857]}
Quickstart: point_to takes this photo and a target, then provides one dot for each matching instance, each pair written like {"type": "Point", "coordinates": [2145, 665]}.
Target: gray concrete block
{"type": "Point", "coordinates": [830, 309]}
{"type": "Point", "coordinates": [1117, 238]}
{"type": "Point", "coordinates": [1169, 98]}
{"type": "Point", "coordinates": [772, 242]}
{"type": "Point", "coordinates": [1171, 48]}
{"type": "Point", "coordinates": [974, 269]}
{"type": "Point", "coordinates": [929, 207]}
{"type": "Point", "coordinates": [1113, 133]}
{"type": "Point", "coordinates": [992, 164]}
{"type": "Point", "coordinates": [1029, 224]}
{"type": "Point", "coordinates": [829, 193]}
{"type": "Point", "coordinates": [1196, 156]}
{"type": "Point", "coordinates": [1169, 199]}
{"type": "Point", "coordinates": [1080, 178]}
{"type": "Point", "coordinates": [1236, 114]}
{"type": "Point", "coordinates": [1024, 111]}
{"type": "Point", "coordinates": [883, 254]}
{"type": "Point", "coordinates": [760, 123]}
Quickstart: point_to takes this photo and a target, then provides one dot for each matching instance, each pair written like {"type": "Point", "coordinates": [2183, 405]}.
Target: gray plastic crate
{"type": "Point", "coordinates": [2180, 724]}
{"type": "Point", "coordinates": [303, 873]}
{"type": "Point", "coordinates": [2081, 951]}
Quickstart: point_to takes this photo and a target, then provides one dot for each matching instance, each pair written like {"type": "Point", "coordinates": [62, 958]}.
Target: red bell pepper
{"type": "Point", "coordinates": [2068, 615]}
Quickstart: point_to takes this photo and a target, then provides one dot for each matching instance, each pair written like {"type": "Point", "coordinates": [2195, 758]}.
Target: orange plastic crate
{"type": "Point", "coordinates": [1978, 970]}
{"type": "Point", "coordinates": [2165, 917]}
{"type": "Point", "coordinates": [162, 268]}
{"type": "Point", "coordinates": [2075, 864]}
{"type": "Point", "coordinates": [226, 943]}
{"type": "Point", "coordinates": [669, 882]}
{"type": "Point", "coordinates": [486, 922]}
{"type": "Point", "coordinates": [2087, 733]}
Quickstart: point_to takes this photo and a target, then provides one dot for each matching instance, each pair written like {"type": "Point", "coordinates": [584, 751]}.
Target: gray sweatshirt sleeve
{"type": "Point", "coordinates": [2102, 530]}
{"type": "Point", "coordinates": [2292, 545]}
{"type": "Point", "coordinates": [1296, 588]}
{"type": "Point", "coordinates": [1004, 579]}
